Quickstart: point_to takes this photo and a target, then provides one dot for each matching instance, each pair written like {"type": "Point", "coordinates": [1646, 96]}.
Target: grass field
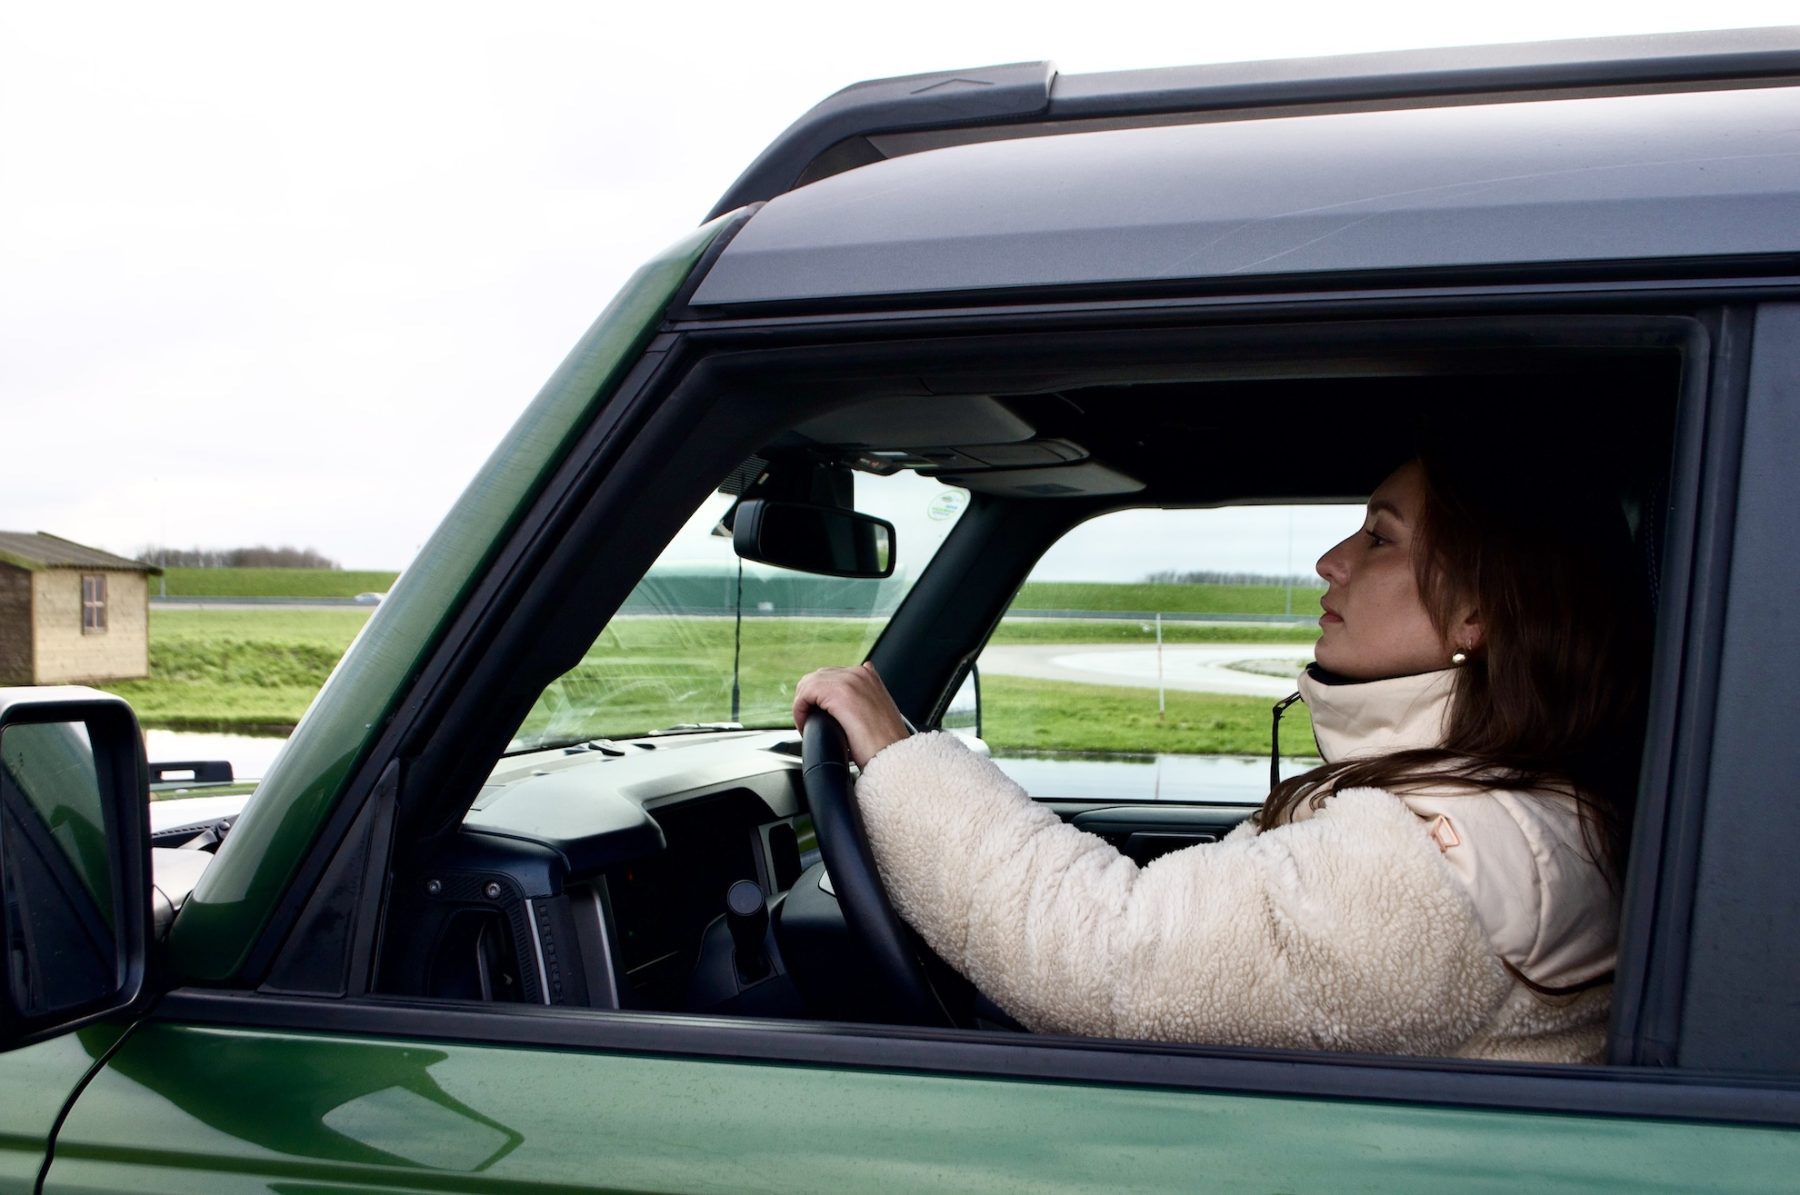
{"type": "Point", "coordinates": [246, 670]}
{"type": "Point", "coordinates": [254, 671]}
{"type": "Point", "coordinates": [271, 582]}
{"type": "Point", "coordinates": [1085, 630]}
{"type": "Point", "coordinates": [1031, 715]}
{"type": "Point", "coordinates": [1168, 598]}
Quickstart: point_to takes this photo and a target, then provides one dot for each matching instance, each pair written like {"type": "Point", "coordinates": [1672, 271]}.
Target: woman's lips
{"type": "Point", "coordinates": [1330, 617]}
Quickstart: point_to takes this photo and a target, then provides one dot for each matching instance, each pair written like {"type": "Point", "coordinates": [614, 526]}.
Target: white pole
{"type": "Point", "coordinates": [1162, 705]}
{"type": "Point", "coordinates": [1290, 564]}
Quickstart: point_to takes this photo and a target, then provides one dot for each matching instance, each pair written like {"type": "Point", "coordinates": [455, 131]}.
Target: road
{"type": "Point", "coordinates": [1186, 667]}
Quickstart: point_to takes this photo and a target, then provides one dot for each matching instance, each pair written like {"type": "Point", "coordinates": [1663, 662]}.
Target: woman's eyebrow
{"type": "Point", "coordinates": [1379, 505]}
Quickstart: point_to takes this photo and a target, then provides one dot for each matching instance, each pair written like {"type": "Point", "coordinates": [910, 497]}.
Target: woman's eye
{"type": "Point", "coordinates": [1375, 539]}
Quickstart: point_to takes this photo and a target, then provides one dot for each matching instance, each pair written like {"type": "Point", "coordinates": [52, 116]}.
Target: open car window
{"type": "Point", "coordinates": [625, 854]}
{"type": "Point", "coordinates": [1140, 660]}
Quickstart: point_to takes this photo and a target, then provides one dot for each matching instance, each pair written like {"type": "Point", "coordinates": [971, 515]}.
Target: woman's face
{"type": "Point", "coordinates": [1375, 625]}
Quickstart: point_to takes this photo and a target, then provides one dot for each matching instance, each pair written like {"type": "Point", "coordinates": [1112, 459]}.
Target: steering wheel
{"type": "Point", "coordinates": [825, 762]}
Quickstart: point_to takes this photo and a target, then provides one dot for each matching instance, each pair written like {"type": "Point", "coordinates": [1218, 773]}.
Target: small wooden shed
{"type": "Point", "coordinates": [70, 613]}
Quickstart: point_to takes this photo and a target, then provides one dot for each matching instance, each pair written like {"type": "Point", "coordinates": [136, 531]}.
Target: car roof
{"type": "Point", "coordinates": [883, 118]}
{"type": "Point", "coordinates": [1684, 170]}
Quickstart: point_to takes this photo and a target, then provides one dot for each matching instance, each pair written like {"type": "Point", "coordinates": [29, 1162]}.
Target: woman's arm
{"type": "Point", "coordinates": [1345, 931]}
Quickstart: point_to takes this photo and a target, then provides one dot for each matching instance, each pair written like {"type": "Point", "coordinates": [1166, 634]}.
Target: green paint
{"type": "Point", "coordinates": [34, 1083]}
{"type": "Point", "coordinates": [233, 900]}
{"type": "Point", "coordinates": [186, 1110]}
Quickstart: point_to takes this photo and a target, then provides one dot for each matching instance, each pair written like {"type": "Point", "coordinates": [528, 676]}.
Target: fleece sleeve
{"type": "Point", "coordinates": [1345, 931]}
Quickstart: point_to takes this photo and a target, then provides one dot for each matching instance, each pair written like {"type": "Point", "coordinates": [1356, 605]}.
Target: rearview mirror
{"type": "Point", "coordinates": [813, 539]}
{"type": "Point", "coordinates": [74, 834]}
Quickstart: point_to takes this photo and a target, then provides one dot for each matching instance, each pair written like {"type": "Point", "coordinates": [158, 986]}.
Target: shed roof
{"type": "Point", "coordinates": [34, 550]}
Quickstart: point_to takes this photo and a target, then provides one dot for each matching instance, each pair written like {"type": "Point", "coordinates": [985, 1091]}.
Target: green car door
{"type": "Point", "coordinates": [184, 1109]}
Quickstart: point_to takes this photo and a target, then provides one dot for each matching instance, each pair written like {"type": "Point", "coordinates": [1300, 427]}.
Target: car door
{"type": "Point", "coordinates": [277, 1063]}
{"type": "Point", "coordinates": [430, 1099]}
{"type": "Point", "coordinates": [36, 1082]}
{"type": "Point", "coordinates": [272, 1086]}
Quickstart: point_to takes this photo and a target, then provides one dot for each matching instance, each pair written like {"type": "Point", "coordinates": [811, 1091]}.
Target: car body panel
{"type": "Point", "coordinates": [1619, 178]}
{"type": "Point", "coordinates": [35, 1082]}
{"type": "Point", "coordinates": [233, 900]}
{"type": "Point", "coordinates": [887, 117]}
{"type": "Point", "coordinates": [1742, 998]}
{"type": "Point", "coordinates": [183, 1109]}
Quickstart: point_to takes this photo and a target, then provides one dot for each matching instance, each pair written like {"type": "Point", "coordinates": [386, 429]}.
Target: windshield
{"type": "Point", "coordinates": [707, 639]}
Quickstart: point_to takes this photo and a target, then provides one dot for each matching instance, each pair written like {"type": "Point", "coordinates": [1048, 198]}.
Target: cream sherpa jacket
{"type": "Point", "coordinates": [1377, 923]}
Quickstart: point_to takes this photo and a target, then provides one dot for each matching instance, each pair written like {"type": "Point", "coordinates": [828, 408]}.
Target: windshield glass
{"type": "Point", "coordinates": [707, 639]}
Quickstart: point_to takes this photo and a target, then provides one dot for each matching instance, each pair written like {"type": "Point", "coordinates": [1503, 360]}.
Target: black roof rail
{"type": "Point", "coordinates": [996, 102]}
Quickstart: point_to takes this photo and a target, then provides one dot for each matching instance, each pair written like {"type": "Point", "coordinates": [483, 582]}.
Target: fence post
{"type": "Point", "coordinates": [1162, 704]}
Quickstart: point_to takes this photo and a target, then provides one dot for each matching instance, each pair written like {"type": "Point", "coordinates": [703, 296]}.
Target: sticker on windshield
{"type": "Point", "coordinates": [947, 505]}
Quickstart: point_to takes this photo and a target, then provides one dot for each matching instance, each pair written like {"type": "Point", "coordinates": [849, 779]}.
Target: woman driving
{"type": "Point", "coordinates": [1445, 884]}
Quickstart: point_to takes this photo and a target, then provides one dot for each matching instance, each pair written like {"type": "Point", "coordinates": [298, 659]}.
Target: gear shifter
{"type": "Point", "coordinates": [748, 918]}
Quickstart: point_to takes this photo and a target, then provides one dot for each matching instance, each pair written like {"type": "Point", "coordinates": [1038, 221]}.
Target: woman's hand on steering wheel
{"type": "Point", "coordinates": [860, 703]}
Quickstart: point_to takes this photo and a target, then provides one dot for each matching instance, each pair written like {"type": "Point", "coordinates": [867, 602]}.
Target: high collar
{"type": "Point", "coordinates": [1358, 719]}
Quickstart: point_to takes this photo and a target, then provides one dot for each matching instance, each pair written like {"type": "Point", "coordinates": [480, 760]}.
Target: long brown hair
{"type": "Point", "coordinates": [1554, 699]}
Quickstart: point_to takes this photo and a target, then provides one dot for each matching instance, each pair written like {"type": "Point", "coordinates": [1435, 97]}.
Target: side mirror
{"type": "Point", "coordinates": [814, 539]}
{"type": "Point", "coordinates": [74, 860]}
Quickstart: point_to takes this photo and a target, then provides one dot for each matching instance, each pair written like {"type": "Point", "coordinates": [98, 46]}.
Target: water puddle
{"type": "Point", "coordinates": [249, 755]}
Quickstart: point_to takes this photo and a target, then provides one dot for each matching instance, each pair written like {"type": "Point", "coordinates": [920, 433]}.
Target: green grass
{"type": "Point", "coordinates": [1030, 715]}
{"type": "Point", "coordinates": [254, 671]}
{"type": "Point", "coordinates": [1150, 597]}
{"type": "Point", "coordinates": [1084, 630]}
{"type": "Point", "coordinates": [272, 582]}
{"type": "Point", "coordinates": [649, 672]}
{"type": "Point", "coordinates": [247, 670]}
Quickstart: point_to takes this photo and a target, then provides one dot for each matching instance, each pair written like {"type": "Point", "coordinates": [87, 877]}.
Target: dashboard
{"type": "Point", "coordinates": [598, 875]}
{"type": "Point", "coordinates": [670, 874]}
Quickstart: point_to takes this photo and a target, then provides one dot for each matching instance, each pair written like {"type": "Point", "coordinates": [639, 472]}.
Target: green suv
{"type": "Point", "coordinates": [546, 893]}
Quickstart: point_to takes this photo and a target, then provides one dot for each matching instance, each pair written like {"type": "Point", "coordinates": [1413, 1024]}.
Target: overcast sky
{"type": "Point", "coordinates": [284, 273]}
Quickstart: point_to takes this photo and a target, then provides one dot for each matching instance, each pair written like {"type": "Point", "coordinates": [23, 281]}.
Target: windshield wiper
{"type": "Point", "coordinates": [613, 747]}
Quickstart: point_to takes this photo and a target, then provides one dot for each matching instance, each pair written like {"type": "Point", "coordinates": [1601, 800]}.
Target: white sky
{"type": "Point", "coordinates": [284, 273]}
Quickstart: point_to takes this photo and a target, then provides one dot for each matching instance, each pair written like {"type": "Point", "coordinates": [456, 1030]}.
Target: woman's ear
{"type": "Point", "coordinates": [1469, 633]}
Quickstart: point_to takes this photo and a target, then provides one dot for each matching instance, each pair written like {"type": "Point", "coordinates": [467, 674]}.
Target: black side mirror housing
{"type": "Point", "coordinates": [813, 538]}
{"type": "Point", "coordinates": [74, 861]}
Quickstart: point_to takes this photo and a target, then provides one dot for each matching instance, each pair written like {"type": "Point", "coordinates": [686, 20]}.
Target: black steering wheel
{"type": "Point", "coordinates": [825, 762]}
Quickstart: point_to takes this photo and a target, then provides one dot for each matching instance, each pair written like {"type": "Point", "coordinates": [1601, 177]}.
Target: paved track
{"type": "Point", "coordinates": [1187, 667]}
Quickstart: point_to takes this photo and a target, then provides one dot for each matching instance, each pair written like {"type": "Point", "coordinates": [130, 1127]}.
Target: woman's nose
{"type": "Point", "coordinates": [1331, 565]}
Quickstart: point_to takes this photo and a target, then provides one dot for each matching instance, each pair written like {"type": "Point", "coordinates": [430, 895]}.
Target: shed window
{"type": "Point", "coordinates": [93, 604]}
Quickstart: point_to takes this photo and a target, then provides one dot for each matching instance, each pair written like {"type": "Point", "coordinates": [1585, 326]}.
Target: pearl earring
{"type": "Point", "coordinates": [1459, 658]}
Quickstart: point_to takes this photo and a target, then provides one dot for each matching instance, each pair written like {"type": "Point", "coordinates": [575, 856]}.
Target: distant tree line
{"type": "Point", "coordinates": [261, 556]}
{"type": "Point", "coordinates": [1214, 577]}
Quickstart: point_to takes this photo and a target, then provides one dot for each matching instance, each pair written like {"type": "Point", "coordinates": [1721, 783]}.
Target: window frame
{"type": "Point", "coordinates": [93, 603]}
{"type": "Point", "coordinates": [669, 390]}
